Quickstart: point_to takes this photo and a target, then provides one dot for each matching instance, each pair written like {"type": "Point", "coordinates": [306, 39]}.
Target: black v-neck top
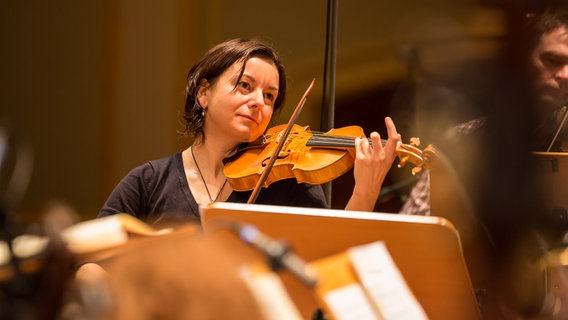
{"type": "Point", "coordinates": [157, 192]}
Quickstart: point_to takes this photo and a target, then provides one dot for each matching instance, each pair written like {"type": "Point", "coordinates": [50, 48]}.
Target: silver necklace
{"type": "Point", "coordinates": [202, 179]}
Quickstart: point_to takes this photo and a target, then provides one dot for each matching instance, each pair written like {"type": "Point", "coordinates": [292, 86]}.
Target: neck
{"type": "Point", "coordinates": [204, 168]}
{"type": "Point", "coordinates": [210, 158]}
{"type": "Point", "coordinates": [216, 145]}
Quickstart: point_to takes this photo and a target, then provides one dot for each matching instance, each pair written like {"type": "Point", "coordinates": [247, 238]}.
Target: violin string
{"type": "Point", "coordinates": [203, 179]}
{"type": "Point", "coordinates": [344, 141]}
{"type": "Point", "coordinates": [323, 139]}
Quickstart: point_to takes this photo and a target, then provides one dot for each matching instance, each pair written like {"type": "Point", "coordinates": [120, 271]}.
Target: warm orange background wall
{"type": "Point", "coordinates": [96, 86]}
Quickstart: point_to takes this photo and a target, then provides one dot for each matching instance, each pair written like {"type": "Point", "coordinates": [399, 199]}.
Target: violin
{"type": "Point", "coordinates": [309, 157]}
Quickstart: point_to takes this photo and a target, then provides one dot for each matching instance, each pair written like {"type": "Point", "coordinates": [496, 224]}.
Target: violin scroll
{"type": "Point", "coordinates": [410, 153]}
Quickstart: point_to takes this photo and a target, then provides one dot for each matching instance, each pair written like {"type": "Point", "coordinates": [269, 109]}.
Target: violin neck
{"type": "Point", "coordinates": [323, 141]}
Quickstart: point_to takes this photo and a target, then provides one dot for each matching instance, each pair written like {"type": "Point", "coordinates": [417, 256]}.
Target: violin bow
{"type": "Point", "coordinates": [274, 156]}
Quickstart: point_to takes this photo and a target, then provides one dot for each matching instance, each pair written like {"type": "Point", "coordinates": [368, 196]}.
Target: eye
{"type": "Point", "coordinates": [269, 98]}
{"type": "Point", "coordinates": [244, 85]}
{"type": "Point", "coordinates": [552, 60]}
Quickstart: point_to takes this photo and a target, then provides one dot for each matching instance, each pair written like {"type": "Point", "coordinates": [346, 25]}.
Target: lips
{"type": "Point", "coordinates": [551, 95]}
{"type": "Point", "coordinates": [249, 118]}
{"type": "Point", "coordinates": [550, 89]}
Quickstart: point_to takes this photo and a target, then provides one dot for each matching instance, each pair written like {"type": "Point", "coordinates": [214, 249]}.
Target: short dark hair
{"type": "Point", "coordinates": [543, 22]}
{"type": "Point", "coordinates": [214, 63]}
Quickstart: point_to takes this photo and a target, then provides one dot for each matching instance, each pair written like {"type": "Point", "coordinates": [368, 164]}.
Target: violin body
{"type": "Point", "coordinates": [305, 156]}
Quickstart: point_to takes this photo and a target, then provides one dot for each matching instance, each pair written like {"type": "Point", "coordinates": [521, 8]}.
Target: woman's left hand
{"type": "Point", "coordinates": [372, 164]}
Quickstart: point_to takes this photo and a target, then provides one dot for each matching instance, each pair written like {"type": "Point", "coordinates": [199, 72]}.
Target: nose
{"type": "Point", "coordinates": [256, 99]}
{"type": "Point", "coordinates": [562, 73]}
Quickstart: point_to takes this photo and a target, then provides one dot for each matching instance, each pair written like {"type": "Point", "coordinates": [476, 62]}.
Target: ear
{"type": "Point", "coordinates": [203, 93]}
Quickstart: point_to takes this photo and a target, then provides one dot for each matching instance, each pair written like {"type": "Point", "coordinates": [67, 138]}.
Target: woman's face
{"type": "Point", "coordinates": [240, 111]}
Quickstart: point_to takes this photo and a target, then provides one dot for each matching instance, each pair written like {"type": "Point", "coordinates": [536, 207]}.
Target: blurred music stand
{"type": "Point", "coordinates": [552, 178]}
{"type": "Point", "coordinates": [427, 250]}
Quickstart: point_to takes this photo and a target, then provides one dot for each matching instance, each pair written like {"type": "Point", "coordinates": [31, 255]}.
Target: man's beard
{"type": "Point", "coordinates": [548, 125]}
{"type": "Point", "coordinates": [551, 99]}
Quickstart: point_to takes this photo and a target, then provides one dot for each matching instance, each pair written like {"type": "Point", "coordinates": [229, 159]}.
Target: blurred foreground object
{"type": "Point", "coordinates": [180, 274]}
{"type": "Point", "coordinates": [34, 266]}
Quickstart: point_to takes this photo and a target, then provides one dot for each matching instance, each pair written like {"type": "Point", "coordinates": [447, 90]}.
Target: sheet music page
{"type": "Point", "coordinates": [383, 282]}
{"type": "Point", "coordinates": [96, 234]}
{"type": "Point", "coordinates": [350, 302]}
{"type": "Point", "coordinates": [103, 233]}
{"type": "Point", "coordinates": [270, 294]}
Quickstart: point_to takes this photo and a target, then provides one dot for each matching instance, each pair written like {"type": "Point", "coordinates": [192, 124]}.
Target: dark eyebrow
{"type": "Point", "coordinates": [554, 58]}
{"type": "Point", "coordinates": [555, 55]}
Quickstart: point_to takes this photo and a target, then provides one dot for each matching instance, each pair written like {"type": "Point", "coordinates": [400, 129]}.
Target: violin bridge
{"type": "Point", "coordinates": [278, 137]}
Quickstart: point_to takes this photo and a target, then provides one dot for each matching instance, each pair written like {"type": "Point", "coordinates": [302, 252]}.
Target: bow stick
{"type": "Point", "coordinates": [283, 138]}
